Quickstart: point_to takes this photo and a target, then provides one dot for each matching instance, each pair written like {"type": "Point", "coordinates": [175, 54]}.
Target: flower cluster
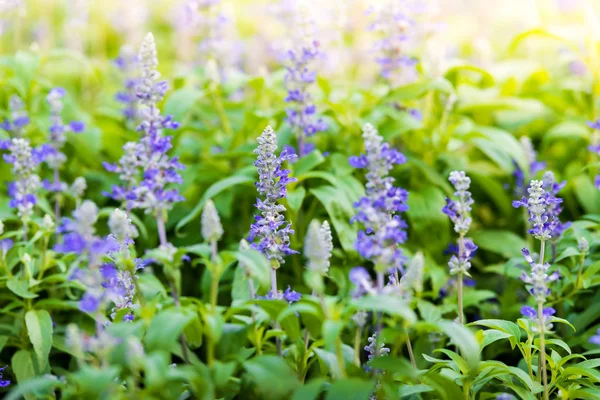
{"type": "Point", "coordinates": [547, 314]}
{"type": "Point", "coordinates": [393, 25]}
{"type": "Point", "coordinates": [18, 117]}
{"type": "Point", "coordinates": [127, 62]}
{"type": "Point", "coordinates": [459, 210]}
{"type": "Point", "coordinates": [25, 161]}
{"type": "Point", "coordinates": [583, 246]}
{"type": "Point", "coordinates": [145, 169]}
{"type": "Point", "coordinates": [57, 137]}
{"type": "Point", "coordinates": [538, 279]}
{"type": "Point", "coordinates": [374, 350]}
{"type": "Point", "coordinates": [211, 227]}
{"type": "Point", "coordinates": [80, 234]}
{"type": "Point", "coordinates": [378, 211]}
{"type": "Point", "coordinates": [289, 295]}
{"type": "Point", "coordinates": [551, 187]}
{"type": "Point", "coordinates": [107, 283]}
{"type": "Point", "coordinates": [3, 382]}
{"type": "Point", "coordinates": [596, 338]}
{"type": "Point", "coordinates": [302, 112]}
{"type": "Point", "coordinates": [273, 240]}
{"type": "Point", "coordinates": [534, 166]}
{"type": "Point", "coordinates": [543, 208]}
{"type": "Point", "coordinates": [318, 246]}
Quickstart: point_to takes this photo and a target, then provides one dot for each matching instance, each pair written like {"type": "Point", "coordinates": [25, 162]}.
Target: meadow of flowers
{"type": "Point", "coordinates": [293, 199]}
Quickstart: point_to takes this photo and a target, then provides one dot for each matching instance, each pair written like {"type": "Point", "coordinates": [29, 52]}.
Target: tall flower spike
{"type": "Point", "coordinates": [273, 239]}
{"type": "Point", "coordinates": [379, 211]}
{"type": "Point", "coordinates": [459, 211]}
{"type": "Point", "coordinates": [394, 27]}
{"type": "Point", "coordinates": [57, 136]}
{"type": "Point", "coordinates": [302, 113]}
{"type": "Point", "coordinates": [318, 246]}
{"type": "Point", "coordinates": [542, 216]}
{"type": "Point", "coordinates": [145, 169]}
{"type": "Point", "coordinates": [543, 223]}
{"type": "Point", "coordinates": [159, 171]}
{"type": "Point", "coordinates": [127, 62]}
{"type": "Point", "coordinates": [212, 230]}
{"type": "Point", "coordinates": [18, 117]}
{"type": "Point", "coordinates": [552, 187]}
{"type": "Point", "coordinates": [25, 162]}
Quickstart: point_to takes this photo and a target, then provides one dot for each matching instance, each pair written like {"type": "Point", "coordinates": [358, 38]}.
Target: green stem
{"type": "Point", "coordinates": [340, 357]}
{"type": "Point", "coordinates": [357, 337]}
{"type": "Point", "coordinates": [410, 350]}
{"type": "Point", "coordinates": [43, 262]}
{"type": "Point", "coordinates": [216, 97]}
{"type": "Point", "coordinates": [580, 272]}
{"type": "Point", "coordinates": [461, 250]}
{"type": "Point", "coordinates": [460, 299]}
{"type": "Point", "coordinates": [542, 355]}
{"type": "Point", "coordinates": [541, 327]}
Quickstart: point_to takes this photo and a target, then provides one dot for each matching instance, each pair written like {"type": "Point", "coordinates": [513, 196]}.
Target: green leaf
{"type": "Point", "coordinates": [567, 130]}
{"type": "Point", "coordinates": [465, 340]}
{"type": "Point", "coordinates": [588, 372]}
{"type": "Point", "coordinates": [587, 194]}
{"type": "Point", "coordinates": [181, 101]}
{"type": "Point", "coordinates": [272, 375]}
{"type": "Point", "coordinates": [350, 389]}
{"type": "Point", "coordinates": [569, 252]}
{"type": "Point", "coordinates": [255, 263]}
{"type": "Point", "coordinates": [35, 386]}
{"type": "Point", "coordinates": [425, 216]}
{"type": "Point", "coordinates": [505, 243]}
{"type": "Point", "coordinates": [211, 192]}
{"type": "Point", "coordinates": [340, 209]}
{"type": "Point", "coordinates": [559, 343]}
{"type": "Point", "coordinates": [310, 390]}
{"type": "Point", "coordinates": [23, 366]}
{"type": "Point", "coordinates": [563, 321]}
{"type": "Point", "coordinates": [492, 335]}
{"type": "Point", "coordinates": [428, 311]}
{"type": "Point", "coordinates": [295, 198]}
{"type": "Point", "coordinates": [39, 329]}
{"type": "Point", "coordinates": [165, 328]}
{"type": "Point", "coordinates": [458, 360]}
{"type": "Point", "coordinates": [409, 390]}
{"type": "Point", "coordinates": [501, 325]}
{"type": "Point", "coordinates": [308, 162]}
{"type": "Point", "coordinates": [20, 288]}
{"type": "Point", "coordinates": [391, 305]}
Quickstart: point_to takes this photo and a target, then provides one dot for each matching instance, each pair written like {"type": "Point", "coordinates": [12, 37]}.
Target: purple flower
{"type": "Point", "coordinates": [394, 25]}
{"type": "Point", "coordinates": [544, 208]}
{"type": "Point", "coordinates": [596, 338]}
{"type": "Point", "coordinates": [19, 117]}
{"type": "Point", "coordinates": [269, 228]}
{"type": "Point", "coordinates": [538, 279]}
{"type": "Point", "coordinates": [5, 246]}
{"type": "Point", "coordinates": [145, 169]}
{"type": "Point", "coordinates": [89, 303]}
{"type": "Point", "coordinates": [128, 63]}
{"type": "Point", "coordinates": [532, 314]}
{"type": "Point", "coordinates": [534, 166]}
{"type": "Point", "coordinates": [302, 114]}
{"type": "Point", "coordinates": [3, 382]}
{"type": "Point", "coordinates": [291, 296]}
{"type": "Point", "coordinates": [378, 211]}
{"type": "Point", "coordinates": [57, 134]}
{"type": "Point", "coordinates": [25, 162]}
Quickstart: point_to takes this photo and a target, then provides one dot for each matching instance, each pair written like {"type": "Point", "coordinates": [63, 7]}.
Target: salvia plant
{"type": "Point", "coordinates": [339, 222]}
